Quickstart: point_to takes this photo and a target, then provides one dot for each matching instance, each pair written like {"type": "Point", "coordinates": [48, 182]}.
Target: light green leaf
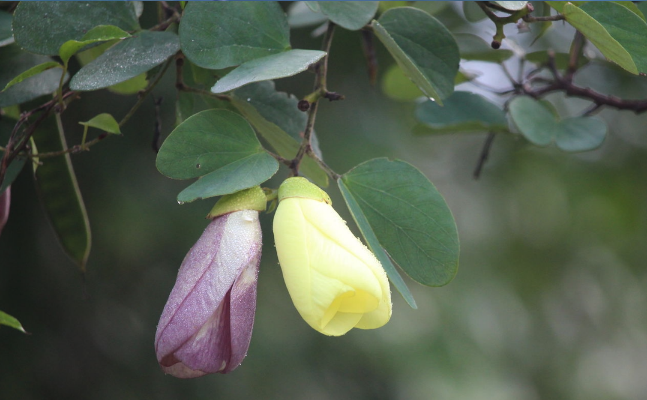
{"type": "Point", "coordinates": [6, 35]}
{"type": "Point", "coordinates": [615, 30]}
{"type": "Point", "coordinates": [267, 68]}
{"type": "Point", "coordinates": [396, 85]}
{"type": "Point", "coordinates": [352, 15]}
{"type": "Point", "coordinates": [223, 34]}
{"type": "Point", "coordinates": [630, 5]}
{"type": "Point", "coordinates": [241, 174]}
{"type": "Point", "coordinates": [99, 33]}
{"type": "Point", "coordinates": [32, 72]}
{"type": "Point", "coordinates": [374, 245]}
{"type": "Point", "coordinates": [559, 5]}
{"type": "Point", "coordinates": [105, 122]}
{"type": "Point", "coordinates": [463, 112]}
{"type": "Point", "coordinates": [472, 47]}
{"type": "Point", "coordinates": [423, 48]}
{"type": "Point", "coordinates": [273, 114]}
{"type": "Point", "coordinates": [409, 218]}
{"type": "Point", "coordinates": [541, 126]}
{"type": "Point", "coordinates": [13, 62]}
{"type": "Point", "coordinates": [60, 21]}
{"type": "Point", "coordinates": [60, 195]}
{"type": "Point", "coordinates": [126, 60]}
{"type": "Point", "coordinates": [512, 5]}
{"type": "Point", "coordinates": [301, 16]}
{"type": "Point", "coordinates": [8, 320]}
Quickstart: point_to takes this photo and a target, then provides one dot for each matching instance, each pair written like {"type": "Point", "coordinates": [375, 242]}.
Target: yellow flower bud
{"type": "Point", "coordinates": [335, 282]}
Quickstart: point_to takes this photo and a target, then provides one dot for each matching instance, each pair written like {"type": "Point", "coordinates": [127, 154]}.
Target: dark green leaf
{"type": "Point", "coordinates": [352, 15]}
{"type": "Point", "coordinates": [32, 72]}
{"type": "Point", "coordinates": [463, 112]}
{"type": "Point", "coordinates": [13, 62]}
{"type": "Point", "coordinates": [473, 12]}
{"type": "Point", "coordinates": [218, 34]}
{"type": "Point", "coordinates": [474, 48]}
{"type": "Point", "coordinates": [183, 106]}
{"type": "Point", "coordinates": [430, 7]}
{"type": "Point", "coordinates": [423, 48]}
{"type": "Point", "coordinates": [42, 27]}
{"type": "Point", "coordinates": [541, 126]}
{"type": "Point", "coordinates": [409, 218]}
{"type": "Point", "coordinates": [615, 30]}
{"type": "Point", "coordinates": [99, 33]}
{"type": "Point", "coordinates": [12, 171]}
{"type": "Point", "coordinates": [60, 195]}
{"type": "Point", "coordinates": [267, 68]}
{"type": "Point", "coordinates": [126, 60]}
{"type": "Point", "coordinates": [512, 5]}
{"type": "Point", "coordinates": [300, 15]}
{"type": "Point", "coordinates": [6, 36]}
{"type": "Point", "coordinates": [242, 174]}
{"type": "Point", "coordinates": [105, 122]}
{"type": "Point", "coordinates": [272, 115]}
{"type": "Point", "coordinates": [8, 320]}
{"type": "Point", "coordinates": [374, 245]}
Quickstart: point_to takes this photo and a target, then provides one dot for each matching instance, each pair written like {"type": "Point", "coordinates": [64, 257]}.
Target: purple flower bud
{"type": "Point", "coordinates": [5, 200]}
{"type": "Point", "coordinates": [206, 325]}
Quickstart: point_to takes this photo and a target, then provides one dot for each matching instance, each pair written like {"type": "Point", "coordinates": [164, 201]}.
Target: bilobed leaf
{"type": "Point", "coordinates": [42, 27]}
{"type": "Point", "coordinates": [472, 47]}
{"type": "Point", "coordinates": [60, 195]}
{"type": "Point", "coordinates": [374, 245]}
{"type": "Point", "coordinates": [14, 62]}
{"type": "Point", "coordinates": [615, 30]}
{"type": "Point", "coordinates": [32, 72]}
{"type": "Point", "coordinates": [265, 110]}
{"type": "Point", "coordinates": [300, 15]}
{"type": "Point", "coordinates": [105, 122]}
{"type": "Point", "coordinates": [580, 133]}
{"type": "Point", "coordinates": [423, 48]}
{"type": "Point", "coordinates": [462, 112]}
{"type": "Point", "coordinates": [6, 35]}
{"type": "Point", "coordinates": [352, 15]}
{"type": "Point", "coordinates": [409, 218]}
{"type": "Point", "coordinates": [534, 120]}
{"type": "Point", "coordinates": [8, 320]}
{"type": "Point", "coordinates": [126, 60]}
{"type": "Point", "coordinates": [218, 34]}
{"type": "Point", "coordinates": [99, 33]}
{"type": "Point", "coordinates": [241, 174]}
{"type": "Point", "coordinates": [512, 5]}
{"type": "Point", "coordinates": [276, 66]}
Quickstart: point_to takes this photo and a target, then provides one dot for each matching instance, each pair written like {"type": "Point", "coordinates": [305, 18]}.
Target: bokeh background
{"type": "Point", "coordinates": [550, 301]}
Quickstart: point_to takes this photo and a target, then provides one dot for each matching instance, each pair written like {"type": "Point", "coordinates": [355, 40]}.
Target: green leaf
{"type": "Point", "coordinates": [32, 72]}
{"type": "Point", "coordinates": [205, 142]}
{"type": "Point", "coordinates": [512, 5]}
{"type": "Point", "coordinates": [474, 48]}
{"type": "Point", "coordinates": [267, 68]}
{"type": "Point", "coordinates": [42, 27]}
{"type": "Point", "coordinates": [422, 47]}
{"type": "Point", "coordinates": [60, 195]}
{"type": "Point", "coordinates": [615, 30]}
{"type": "Point", "coordinates": [541, 126]}
{"type": "Point", "coordinates": [473, 12]}
{"type": "Point", "coordinates": [463, 112]}
{"type": "Point", "coordinates": [242, 174]}
{"type": "Point", "coordinates": [274, 115]}
{"type": "Point", "coordinates": [6, 35]}
{"type": "Point", "coordinates": [12, 171]}
{"type": "Point", "coordinates": [431, 7]}
{"type": "Point", "coordinates": [99, 33]}
{"type": "Point", "coordinates": [13, 62]}
{"type": "Point", "coordinates": [301, 16]}
{"type": "Point", "coordinates": [374, 245]}
{"type": "Point", "coordinates": [630, 5]}
{"type": "Point", "coordinates": [352, 15]}
{"type": "Point", "coordinates": [409, 218]}
{"type": "Point", "coordinates": [559, 5]}
{"type": "Point", "coordinates": [397, 86]}
{"type": "Point", "coordinates": [8, 320]}
{"type": "Point", "coordinates": [126, 60]}
{"type": "Point", "coordinates": [105, 122]}
{"type": "Point", "coordinates": [561, 59]}
{"type": "Point", "coordinates": [218, 34]}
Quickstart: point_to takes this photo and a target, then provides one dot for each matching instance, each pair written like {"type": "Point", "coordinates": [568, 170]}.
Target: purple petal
{"type": "Point", "coordinates": [5, 200]}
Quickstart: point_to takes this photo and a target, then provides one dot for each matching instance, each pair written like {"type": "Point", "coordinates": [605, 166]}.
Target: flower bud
{"type": "Point", "coordinates": [5, 200]}
{"type": "Point", "coordinates": [206, 325]}
{"type": "Point", "coordinates": [335, 282]}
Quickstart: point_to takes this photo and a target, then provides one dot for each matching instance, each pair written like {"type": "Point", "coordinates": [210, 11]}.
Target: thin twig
{"type": "Point", "coordinates": [485, 152]}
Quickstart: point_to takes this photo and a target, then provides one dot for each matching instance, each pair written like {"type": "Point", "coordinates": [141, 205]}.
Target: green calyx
{"type": "Point", "coordinates": [301, 187]}
{"type": "Point", "coordinates": [249, 199]}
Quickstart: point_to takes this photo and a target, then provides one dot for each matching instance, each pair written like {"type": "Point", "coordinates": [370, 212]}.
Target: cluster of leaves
{"type": "Point", "coordinates": [227, 55]}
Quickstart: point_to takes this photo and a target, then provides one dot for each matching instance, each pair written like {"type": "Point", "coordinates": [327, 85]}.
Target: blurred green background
{"type": "Point", "coordinates": [550, 301]}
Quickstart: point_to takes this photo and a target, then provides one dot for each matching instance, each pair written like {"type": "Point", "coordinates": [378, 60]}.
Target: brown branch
{"type": "Point", "coordinates": [485, 153]}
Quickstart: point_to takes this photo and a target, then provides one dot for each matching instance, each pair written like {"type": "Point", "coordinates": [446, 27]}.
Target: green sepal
{"type": "Point", "coordinates": [301, 187]}
{"type": "Point", "coordinates": [253, 198]}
